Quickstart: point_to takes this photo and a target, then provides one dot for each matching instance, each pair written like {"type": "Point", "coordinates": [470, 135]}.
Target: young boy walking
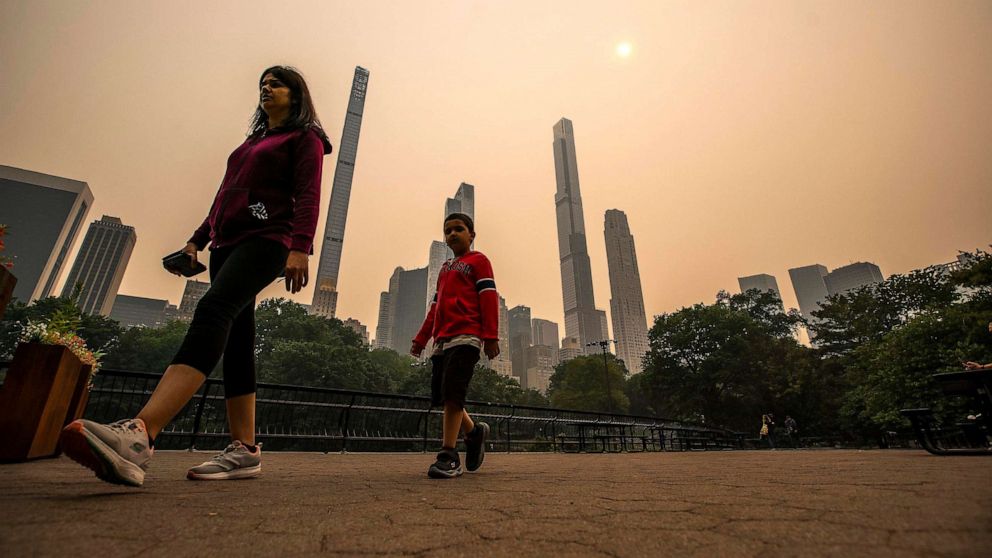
{"type": "Point", "coordinates": [463, 320]}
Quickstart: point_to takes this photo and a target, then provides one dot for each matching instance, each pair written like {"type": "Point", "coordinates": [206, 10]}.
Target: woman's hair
{"type": "Point", "coordinates": [302, 114]}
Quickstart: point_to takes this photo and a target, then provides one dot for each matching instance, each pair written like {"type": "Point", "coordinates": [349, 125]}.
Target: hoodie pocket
{"type": "Point", "coordinates": [232, 213]}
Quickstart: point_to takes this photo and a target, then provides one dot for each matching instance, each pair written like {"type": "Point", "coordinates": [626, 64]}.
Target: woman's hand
{"type": "Point", "coordinates": [190, 250]}
{"type": "Point", "coordinates": [297, 271]}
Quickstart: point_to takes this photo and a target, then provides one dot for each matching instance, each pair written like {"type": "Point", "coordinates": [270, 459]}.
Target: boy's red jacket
{"type": "Point", "coordinates": [465, 302]}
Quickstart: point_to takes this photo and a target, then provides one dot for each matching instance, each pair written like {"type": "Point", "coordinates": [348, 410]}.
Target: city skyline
{"type": "Point", "coordinates": [739, 138]}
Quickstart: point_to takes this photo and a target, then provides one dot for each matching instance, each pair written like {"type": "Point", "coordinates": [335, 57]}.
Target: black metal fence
{"type": "Point", "coordinates": [299, 418]}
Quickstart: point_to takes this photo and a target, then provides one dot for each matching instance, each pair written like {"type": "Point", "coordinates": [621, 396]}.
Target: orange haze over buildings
{"type": "Point", "coordinates": [738, 137]}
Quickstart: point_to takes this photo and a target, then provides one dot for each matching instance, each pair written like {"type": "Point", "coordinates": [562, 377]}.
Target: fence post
{"type": "Point", "coordinates": [554, 433]}
{"type": "Point", "coordinates": [427, 421]}
{"type": "Point", "coordinates": [199, 416]}
{"type": "Point", "coordinates": [346, 419]}
{"type": "Point", "coordinates": [509, 419]}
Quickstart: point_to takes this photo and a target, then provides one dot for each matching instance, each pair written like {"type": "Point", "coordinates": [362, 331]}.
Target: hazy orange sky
{"type": "Point", "coordinates": [739, 137]}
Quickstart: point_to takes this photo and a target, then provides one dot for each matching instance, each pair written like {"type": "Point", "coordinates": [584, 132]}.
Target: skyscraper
{"type": "Point", "coordinates": [100, 264]}
{"type": "Point", "coordinates": [407, 308]}
{"type": "Point", "coordinates": [811, 290]}
{"type": "Point", "coordinates": [383, 328]}
{"type": "Point", "coordinates": [520, 339]}
{"type": "Point", "coordinates": [582, 320]}
{"type": "Point", "coordinates": [463, 202]}
{"type": "Point", "coordinates": [438, 254]}
{"type": "Point", "coordinates": [44, 214]}
{"type": "Point", "coordinates": [852, 276]}
{"type": "Point", "coordinates": [325, 294]}
{"type": "Point", "coordinates": [540, 361]}
{"type": "Point", "coordinates": [762, 282]}
{"type": "Point", "coordinates": [192, 294]}
{"type": "Point", "coordinates": [544, 332]}
{"type": "Point", "coordinates": [627, 300]}
{"type": "Point", "coordinates": [502, 364]}
{"type": "Point", "coordinates": [570, 348]}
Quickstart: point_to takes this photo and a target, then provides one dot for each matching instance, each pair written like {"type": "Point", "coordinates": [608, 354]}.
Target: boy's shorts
{"type": "Point", "coordinates": [451, 372]}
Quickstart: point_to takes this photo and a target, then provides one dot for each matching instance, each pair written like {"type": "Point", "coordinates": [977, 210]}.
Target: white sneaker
{"type": "Point", "coordinates": [118, 452]}
{"type": "Point", "coordinates": [235, 462]}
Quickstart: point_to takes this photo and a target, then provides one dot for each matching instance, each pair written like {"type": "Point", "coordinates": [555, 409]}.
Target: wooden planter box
{"type": "Point", "coordinates": [7, 284]}
{"type": "Point", "coordinates": [35, 400]}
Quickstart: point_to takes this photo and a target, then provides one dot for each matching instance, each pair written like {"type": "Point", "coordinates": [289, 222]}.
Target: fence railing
{"type": "Point", "coordinates": [301, 418]}
{"type": "Point", "coordinates": [304, 418]}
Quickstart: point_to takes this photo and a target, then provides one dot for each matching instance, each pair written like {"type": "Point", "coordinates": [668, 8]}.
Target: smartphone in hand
{"type": "Point", "coordinates": [180, 262]}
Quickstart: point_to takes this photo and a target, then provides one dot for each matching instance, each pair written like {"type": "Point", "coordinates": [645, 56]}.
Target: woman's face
{"type": "Point", "coordinates": [275, 96]}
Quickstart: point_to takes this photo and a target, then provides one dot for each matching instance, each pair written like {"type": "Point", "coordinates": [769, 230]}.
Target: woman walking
{"type": "Point", "coordinates": [261, 224]}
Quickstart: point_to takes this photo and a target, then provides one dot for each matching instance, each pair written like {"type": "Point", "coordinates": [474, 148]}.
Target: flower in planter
{"type": "Point", "coordinates": [54, 332]}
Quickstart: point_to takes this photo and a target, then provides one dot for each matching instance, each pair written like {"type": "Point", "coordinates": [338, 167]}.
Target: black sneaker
{"type": "Point", "coordinates": [475, 446]}
{"type": "Point", "coordinates": [447, 465]}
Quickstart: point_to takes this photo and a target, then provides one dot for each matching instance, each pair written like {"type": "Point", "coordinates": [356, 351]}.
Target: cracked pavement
{"type": "Point", "coordinates": [734, 503]}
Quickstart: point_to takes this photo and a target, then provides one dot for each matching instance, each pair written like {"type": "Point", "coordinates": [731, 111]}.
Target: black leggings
{"type": "Point", "coordinates": [224, 320]}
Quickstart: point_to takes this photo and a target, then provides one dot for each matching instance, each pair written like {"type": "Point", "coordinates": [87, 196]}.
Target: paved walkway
{"type": "Point", "coordinates": [784, 503]}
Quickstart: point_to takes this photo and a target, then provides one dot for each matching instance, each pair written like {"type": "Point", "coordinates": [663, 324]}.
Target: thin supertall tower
{"type": "Point", "coordinates": [325, 295]}
{"type": "Point", "coordinates": [627, 302]}
{"type": "Point", "coordinates": [582, 319]}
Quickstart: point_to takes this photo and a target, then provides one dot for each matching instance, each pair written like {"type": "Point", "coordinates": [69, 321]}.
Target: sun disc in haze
{"type": "Point", "coordinates": [624, 49]}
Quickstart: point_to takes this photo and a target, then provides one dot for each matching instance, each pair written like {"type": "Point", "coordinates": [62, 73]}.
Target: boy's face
{"type": "Point", "coordinates": [457, 236]}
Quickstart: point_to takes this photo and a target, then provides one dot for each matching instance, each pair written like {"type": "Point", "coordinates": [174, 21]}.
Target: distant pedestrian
{"type": "Point", "coordinates": [766, 430]}
{"type": "Point", "coordinates": [791, 430]}
{"type": "Point", "coordinates": [260, 225]}
{"type": "Point", "coordinates": [463, 320]}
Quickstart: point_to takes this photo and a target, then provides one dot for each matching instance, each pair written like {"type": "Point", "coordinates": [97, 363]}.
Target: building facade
{"type": "Point", "coordinates": [544, 332]}
{"type": "Point", "coordinates": [852, 276]}
{"type": "Point", "coordinates": [44, 215]}
{"type": "Point", "coordinates": [136, 311]}
{"type": "Point", "coordinates": [761, 282]}
{"type": "Point", "coordinates": [570, 348]}
{"type": "Point", "coordinates": [100, 264]}
{"type": "Point", "coordinates": [359, 328]}
{"type": "Point", "coordinates": [384, 326]}
{"type": "Point", "coordinates": [520, 338]}
{"type": "Point", "coordinates": [192, 294]}
{"type": "Point", "coordinates": [811, 289]}
{"type": "Point", "coordinates": [582, 320]}
{"type": "Point", "coordinates": [540, 361]}
{"type": "Point", "coordinates": [502, 364]}
{"type": "Point", "coordinates": [630, 329]}
{"type": "Point", "coordinates": [325, 294]}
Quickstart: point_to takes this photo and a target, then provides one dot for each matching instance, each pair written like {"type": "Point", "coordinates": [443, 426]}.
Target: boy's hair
{"type": "Point", "coordinates": [463, 218]}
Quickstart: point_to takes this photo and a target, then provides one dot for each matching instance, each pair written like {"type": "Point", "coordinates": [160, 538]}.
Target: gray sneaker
{"type": "Point", "coordinates": [235, 462]}
{"type": "Point", "coordinates": [118, 452]}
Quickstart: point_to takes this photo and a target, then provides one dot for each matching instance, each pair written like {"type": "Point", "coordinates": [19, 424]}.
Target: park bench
{"type": "Point", "coordinates": [975, 385]}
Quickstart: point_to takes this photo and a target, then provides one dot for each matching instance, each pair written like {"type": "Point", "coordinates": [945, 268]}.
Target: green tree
{"type": "Point", "coordinates": [730, 361]}
{"type": "Point", "coordinates": [489, 385]}
{"type": "Point", "coordinates": [581, 384]}
{"type": "Point", "coordinates": [147, 349]}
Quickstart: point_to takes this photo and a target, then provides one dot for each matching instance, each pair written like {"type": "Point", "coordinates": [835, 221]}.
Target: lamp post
{"type": "Point", "coordinates": [604, 345]}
